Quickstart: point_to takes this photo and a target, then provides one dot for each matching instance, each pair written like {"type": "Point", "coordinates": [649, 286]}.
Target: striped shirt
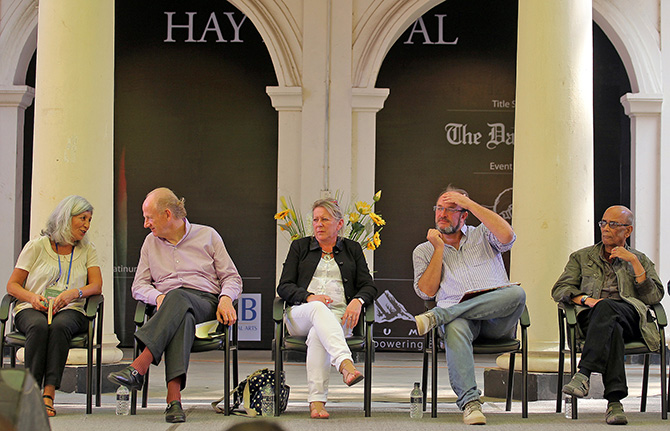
{"type": "Point", "coordinates": [477, 264]}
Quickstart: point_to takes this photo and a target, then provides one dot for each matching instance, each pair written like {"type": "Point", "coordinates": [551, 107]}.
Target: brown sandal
{"type": "Point", "coordinates": [51, 411]}
{"type": "Point", "coordinates": [317, 410]}
{"type": "Point", "coordinates": [350, 375]}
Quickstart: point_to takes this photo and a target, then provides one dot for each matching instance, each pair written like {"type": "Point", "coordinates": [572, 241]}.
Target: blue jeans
{"type": "Point", "coordinates": [493, 315]}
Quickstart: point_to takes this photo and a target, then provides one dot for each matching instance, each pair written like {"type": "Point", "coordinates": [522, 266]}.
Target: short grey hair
{"type": "Point", "coordinates": [167, 199]}
{"type": "Point", "coordinates": [59, 223]}
{"type": "Point", "coordinates": [330, 205]}
{"type": "Point", "coordinates": [451, 188]}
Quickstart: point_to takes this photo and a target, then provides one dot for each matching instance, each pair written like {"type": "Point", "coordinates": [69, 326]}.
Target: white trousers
{"type": "Point", "coordinates": [326, 344]}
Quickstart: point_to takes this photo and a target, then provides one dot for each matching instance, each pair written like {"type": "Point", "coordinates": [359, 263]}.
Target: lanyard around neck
{"type": "Point", "coordinates": [69, 270]}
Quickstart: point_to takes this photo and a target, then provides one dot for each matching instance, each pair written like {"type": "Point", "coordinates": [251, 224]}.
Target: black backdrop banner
{"type": "Point", "coordinates": [191, 113]}
{"type": "Point", "coordinates": [448, 119]}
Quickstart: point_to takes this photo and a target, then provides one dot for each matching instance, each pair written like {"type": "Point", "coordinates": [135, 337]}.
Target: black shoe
{"type": "Point", "coordinates": [174, 413]}
{"type": "Point", "coordinates": [128, 377]}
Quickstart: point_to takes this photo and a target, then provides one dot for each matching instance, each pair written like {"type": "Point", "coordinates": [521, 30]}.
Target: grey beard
{"type": "Point", "coordinates": [446, 231]}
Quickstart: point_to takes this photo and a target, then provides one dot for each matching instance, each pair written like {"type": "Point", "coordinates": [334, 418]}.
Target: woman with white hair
{"type": "Point", "coordinates": [326, 281]}
{"type": "Point", "coordinates": [60, 266]}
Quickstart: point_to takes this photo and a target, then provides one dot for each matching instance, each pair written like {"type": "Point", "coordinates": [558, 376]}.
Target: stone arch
{"type": "Point", "coordinates": [282, 35]}
{"type": "Point", "coordinates": [18, 41]}
{"type": "Point", "coordinates": [637, 42]}
{"type": "Point", "coordinates": [376, 32]}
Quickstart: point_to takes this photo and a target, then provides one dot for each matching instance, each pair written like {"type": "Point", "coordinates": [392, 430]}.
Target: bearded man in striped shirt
{"type": "Point", "coordinates": [456, 262]}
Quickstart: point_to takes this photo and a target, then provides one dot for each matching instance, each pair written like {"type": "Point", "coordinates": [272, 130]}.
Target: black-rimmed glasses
{"type": "Point", "coordinates": [449, 210]}
{"type": "Point", "coordinates": [612, 224]}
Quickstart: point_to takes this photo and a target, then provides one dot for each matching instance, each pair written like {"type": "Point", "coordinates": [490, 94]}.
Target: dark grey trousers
{"type": "Point", "coordinates": [171, 331]}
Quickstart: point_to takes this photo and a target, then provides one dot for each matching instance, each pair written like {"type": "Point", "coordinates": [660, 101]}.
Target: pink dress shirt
{"type": "Point", "coordinates": [198, 261]}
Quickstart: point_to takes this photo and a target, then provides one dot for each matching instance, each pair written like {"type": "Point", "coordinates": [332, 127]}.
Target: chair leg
{"type": "Point", "coordinates": [236, 374]}
{"type": "Point", "coordinates": [279, 332]}
{"type": "Point", "coordinates": [664, 388]}
{"type": "Point", "coordinates": [573, 370]}
{"type": "Point", "coordinates": [145, 390]}
{"type": "Point", "coordinates": [510, 383]}
{"type": "Point", "coordinates": [367, 399]}
{"type": "Point", "coordinates": [98, 377]}
{"type": "Point", "coordinates": [424, 370]}
{"type": "Point", "coordinates": [645, 384]}
{"type": "Point", "coordinates": [561, 361]}
{"type": "Point", "coordinates": [89, 371]}
{"type": "Point", "coordinates": [133, 393]}
{"type": "Point", "coordinates": [226, 373]}
{"type": "Point", "coordinates": [433, 374]}
{"type": "Point", "coordinates": [524, 379]}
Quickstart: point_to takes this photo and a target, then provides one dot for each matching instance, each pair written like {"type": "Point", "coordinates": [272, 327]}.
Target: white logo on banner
{"type": "Point", "coordinates": [249, 317]}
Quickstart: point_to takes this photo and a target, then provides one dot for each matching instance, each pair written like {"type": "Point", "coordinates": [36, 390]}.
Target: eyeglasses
{"type": "Point", "coordinates": [449, 210]}
{"type": "Point", "coordinates": [612, 224]}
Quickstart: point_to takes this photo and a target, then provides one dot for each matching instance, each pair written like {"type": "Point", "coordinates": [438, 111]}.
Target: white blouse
{"type": "Point", "coordinates": [41, 263]}
{"type": "Point", "coordinates": [327, 280]}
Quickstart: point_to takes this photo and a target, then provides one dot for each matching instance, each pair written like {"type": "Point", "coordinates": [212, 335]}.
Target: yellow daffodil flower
{"type": "Point", "coordinates": [370, 245]}
{"type": "Point", "coordinates": [363, 207]}
{"type": "Point", "coordinates": [377, 196]}
{"type": "Point", "coordinates": [354, 217]}
{"type": "Point", "coordinates": [376, 218]}
{"type": "Point", "coordinates": [377, 239]}
{"type": "Point", "coordinates": [281, 215]}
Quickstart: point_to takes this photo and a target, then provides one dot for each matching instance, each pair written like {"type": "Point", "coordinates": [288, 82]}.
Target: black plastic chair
{"type": "Point", "coordinates": [225, 338]}
{"type": "Point", "coordinates": [360, 341]}
{"type": "Point", "coordinates": [89, 340]}
{"type": "Point", "coordinates": [567, 323]}
{"type": "Point", "coordinates": [480, 347]}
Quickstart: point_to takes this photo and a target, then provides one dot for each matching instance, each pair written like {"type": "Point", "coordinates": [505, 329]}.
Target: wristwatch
{"type": "Point", "coordinates": [584, 298]}
{"type": "Point", "coordinates": [81, 293]}
{"type": "Point", "coordinates": [362, 300]}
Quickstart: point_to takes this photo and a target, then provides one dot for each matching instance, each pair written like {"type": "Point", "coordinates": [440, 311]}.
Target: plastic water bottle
{"type": "Point", "coordinates": [568, 406]}
{"type": "Point", "coordinates": [268, 401]}
{"type": "Point", "coordinates": [416, 402]}
{"type": "Point", "coordinates": [122, 401]}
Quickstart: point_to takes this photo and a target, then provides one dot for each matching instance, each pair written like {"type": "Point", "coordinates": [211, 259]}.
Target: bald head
{"type": "Point", "coordinates": [163, 198]}
{"type": "Point", "coordinates": [620, 211]}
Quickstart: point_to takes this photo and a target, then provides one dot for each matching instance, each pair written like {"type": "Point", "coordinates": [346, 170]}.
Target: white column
{"type": "Point", "coordinates": [663, 262]}
{"type": "Point", "coordinates": [13, 102]}
{"type": "Point", "coordinates": [74, 123]}
{"type": "Point", "coordinates": [553, 155]}
{"type": "Point", "coordinates": [341, 156]}
{"type": "Point", "coordinates": [288, 103]}
{"type": "Point", "coordinates": [366, 102]}
{"type": "Point", "coordinates": [645, 115]}
{"type": "Point", "coordinates": [315, 112]}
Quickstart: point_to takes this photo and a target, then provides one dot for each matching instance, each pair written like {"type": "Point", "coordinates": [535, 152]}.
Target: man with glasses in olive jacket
{"type": "Point", "coordinates": [612, 285]}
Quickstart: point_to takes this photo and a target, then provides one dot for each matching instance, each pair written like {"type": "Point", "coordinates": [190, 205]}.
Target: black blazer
{"type": "Point", "coordinates": [303, 258]}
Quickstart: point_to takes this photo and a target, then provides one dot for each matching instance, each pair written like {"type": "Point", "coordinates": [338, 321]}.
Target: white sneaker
{"type": "Point", "coordinates": [425, 322]}
{"type": "Point", "coordinates": [472, 413]}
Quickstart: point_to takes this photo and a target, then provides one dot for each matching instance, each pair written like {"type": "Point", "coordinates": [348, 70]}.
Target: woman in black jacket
{"type": "Point", "coordinates": [326, 282]}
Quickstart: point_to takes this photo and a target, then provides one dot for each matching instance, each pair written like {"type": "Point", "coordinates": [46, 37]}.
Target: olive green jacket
{"type": "Point", "coordinates": [584, 274]}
